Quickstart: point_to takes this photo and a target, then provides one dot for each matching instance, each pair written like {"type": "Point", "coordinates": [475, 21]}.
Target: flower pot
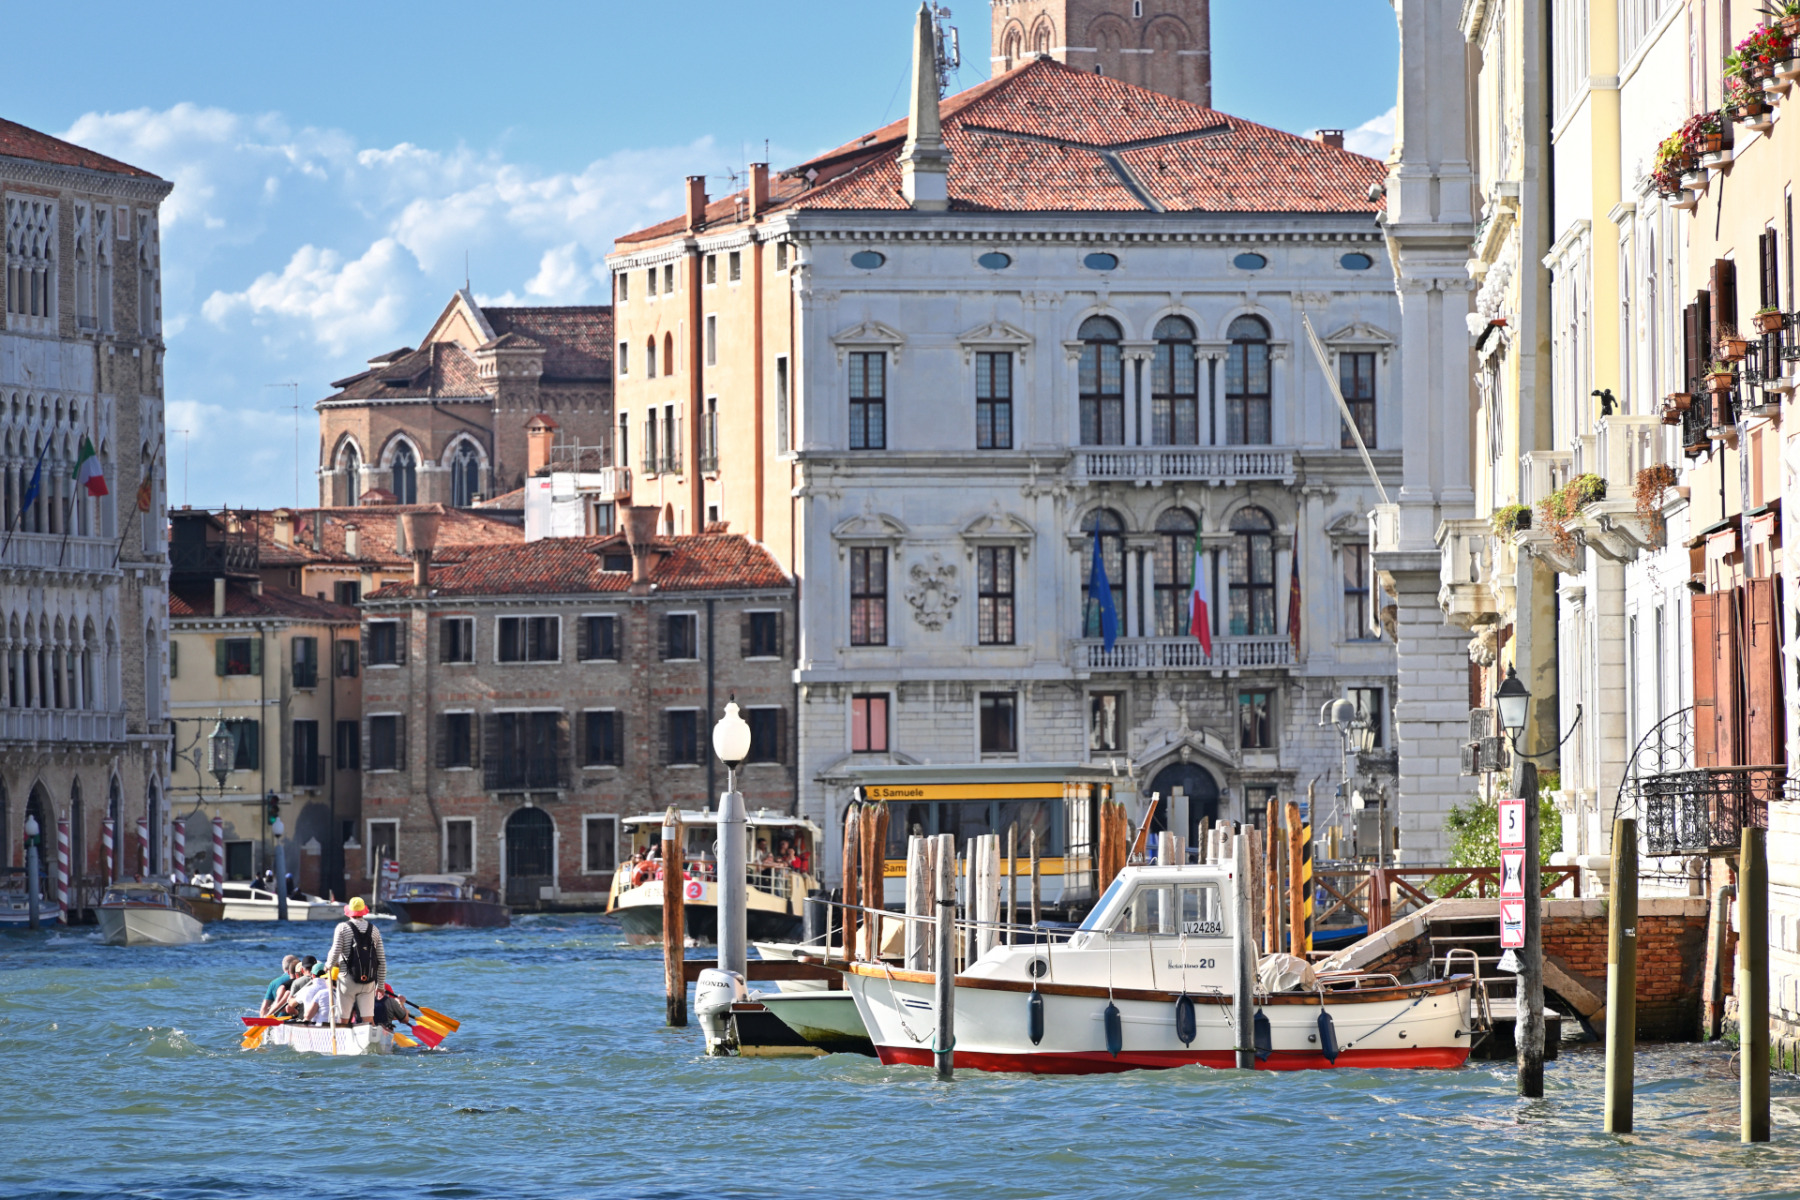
{"type": "Point", "coordinates": [1733, 349]}
{"type": "Point", "coordinates": [1709, 143]}
{"type": "Point", "coordinates": [1679, 401]}
{"type": "Point", "coordinates": [1720, 384]}
{"type": "Point", "coordinates": [1769, 322]}
{"type": "Point", "coordinates": [1790, 27]}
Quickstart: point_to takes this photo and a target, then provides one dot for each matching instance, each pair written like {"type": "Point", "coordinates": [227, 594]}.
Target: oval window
{"type": "Point", "coordinates": [1249, 262]}
{"type": "Point", "coordinates": [993, 260]}
{"type": "Point", "coordinates": [867, 260]}
{"type": "Point", "coordinates": [1356, 262]}
{"type": "Point", "coordinates": [1100, 261]}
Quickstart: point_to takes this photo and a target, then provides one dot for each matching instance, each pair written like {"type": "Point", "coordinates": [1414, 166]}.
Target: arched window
{"type": "Point", "coordinates": [1252, 573]}
{"type": "Point", "coordinates": [1174, 571]}
{"type": "Point", "coordinates": [668, 354]}
{"type": "Point", "coordinates": [405, 475]}
{"type": "Point", "coordinates": [1102, 384]}
{"type": "Point", "coordinates": [1174, 387]}
{"type": "Point", "coordinates": [350, 462]}
{"type": "Point", "coordinates": [1043, 37]}
{"type": "Point", "coordinates": [1014, 46]}
{"type": "Point", "coordinates": [465, 474]}
{"type": "Point", "coordinates": [1112, 554]}
{"type": "Point", "coordinates": [1247, 383]}
{"type": "Point", "coordinates": [39, 808]}
{"type": "Point", "coordinates": [650, 359]}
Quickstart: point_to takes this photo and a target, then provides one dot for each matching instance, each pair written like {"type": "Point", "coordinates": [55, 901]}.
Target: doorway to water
{"type": "Point", "coordinates": [530, 856]}
{"type": "Point", "coordinates": [1201, 790]}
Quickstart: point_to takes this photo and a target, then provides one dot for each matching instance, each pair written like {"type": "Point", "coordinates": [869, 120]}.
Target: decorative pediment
{"type": "Point", "coordinates": [1360, 335]}
{"type": "Point", "coordinates": [995, 335]}
{"type": "Point", "coordinates": [1347, 527]}
{"type": "Point", "coordinates": [998, 526]}
{"type": "Point", "coordinates": [870, 526]}
{"type": "Point", "coordinates": [870, 335]}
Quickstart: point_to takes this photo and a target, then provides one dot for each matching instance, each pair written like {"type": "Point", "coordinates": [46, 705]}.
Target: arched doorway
{"type": "Point", "coordinates": [39, 809]}
{"type": "Point", "coordinates": [530, 856]}
{"type": "Point", "coordinates": [78, 856]}
{"type": "Point", "coordinates": [154, 814]}
{"type": "Point", "coordinates": [1201, 790]}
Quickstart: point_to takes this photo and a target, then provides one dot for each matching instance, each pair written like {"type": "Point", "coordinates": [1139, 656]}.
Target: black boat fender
{"type": "Point", "coordinates": [1115, 1030]}
{"type": "Point", "coordinates": [1184, 1019]}
{"type": "Point", "coordinates": [1328, 1043]}
{"type": "Point", "coordinates": [1264, 1036]}
{"type": "Point", "coordinates": [1034, 1017]}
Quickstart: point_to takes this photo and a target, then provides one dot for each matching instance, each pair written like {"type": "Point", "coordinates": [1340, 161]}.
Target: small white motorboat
{"type": "Point", "coordinates": [247, 902]}
{"type": "Point", "coordinates": [15, 900]}
{"type": "Point", "coordinates": [826, 1019]}
{"type": "Point", "coordinates": [1147, 982]}
{"type": "Point", "coordinates": [320, 1039]}
{"type": "Point", "coordinates": [146, 914]}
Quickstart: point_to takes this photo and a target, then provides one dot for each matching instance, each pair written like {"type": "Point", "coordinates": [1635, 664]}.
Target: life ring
{"type": "Point", "coordinates": [694, 888]}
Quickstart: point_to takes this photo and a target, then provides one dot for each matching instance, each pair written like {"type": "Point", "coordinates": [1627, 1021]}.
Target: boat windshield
{"type": "Point", "coordinates": [135, 896]}
{"type": "Point", "coordinates": [429, 891]}
{"type": "Point", "coordinates": [1102, 912]}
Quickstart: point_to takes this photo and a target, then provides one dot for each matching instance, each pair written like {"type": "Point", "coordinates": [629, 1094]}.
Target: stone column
{"type": "Point", "coordinates": [1284, 566]}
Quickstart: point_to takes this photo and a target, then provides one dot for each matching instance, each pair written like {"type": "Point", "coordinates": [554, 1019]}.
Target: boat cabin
{"type": "Point", "coordinates": [440, 887]}
{"type": "Point", "coordinates": [777, 845]}
{"type": "Point", "coordinates": [138, 895]}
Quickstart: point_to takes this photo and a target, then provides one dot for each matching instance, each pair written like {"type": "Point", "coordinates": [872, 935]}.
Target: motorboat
{"type": "Point", "coordinates": [445, 901]}
{"type": "Point", "coordinates": [204, 900]}
{"type": "Point", "coordinates": [1147, 982]}
{"type": "Point", "coordinates": [339, 1040]}
{"type": "Point", "coordinates": [826, 1019]}
{"type": "Point", "coordinates": [146, 914]}
{"type": "Point", "coordinates": [247, 902]}
{"type": "Point", "coordinates": [15, 900]}
{"type": "Point", "coordinates": [775, 895]}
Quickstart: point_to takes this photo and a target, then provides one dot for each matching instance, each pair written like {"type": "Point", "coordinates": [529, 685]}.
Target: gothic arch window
{"type": "Point", "coordinates": [1174, 385]}
{"type": "Point", "coordinates": [405, 475]}
{"type": "Point", "coordinates": [39, 808]}
{"type": "Point", "coordinates": [1252, 573]}
{"type": "Point", "coordinates": [1013, 45]}
{"type": "Point", "coordinates": [350, 463]}
{"type": "Point", "coordinates": [650, 359]}
{"type": "Point", "coordinates": [1111, 528]}
{"type": "Point", "coordinates": [1247, 407]}
{"type": "Point", "coordinates": [1175, 532]}
{"type": "Point", "coordinates": [1043, 36]}
{"type": "Point", "coordinates": [668, 354]}
{"type": "Point", "coordinates": [1102, 383]}
{"type": "Point", "coordinates": [465, 474]}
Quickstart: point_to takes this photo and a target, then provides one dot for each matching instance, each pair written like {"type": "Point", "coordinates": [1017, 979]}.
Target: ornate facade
{"type": "Point", "coordinates": [1163, 45]}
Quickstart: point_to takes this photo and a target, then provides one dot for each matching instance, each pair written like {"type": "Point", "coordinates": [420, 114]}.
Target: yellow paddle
{"type": "Point", "coordinates": [253, 1037]}
{"type": "Point", "coordinates": [401, 1039]}
{"type": "Point", "coordinates": [450, 1024]}
{"type": "Point", "coordinates": [331, 1008]}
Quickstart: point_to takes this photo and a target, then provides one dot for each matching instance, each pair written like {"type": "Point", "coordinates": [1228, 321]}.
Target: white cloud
{"type": "Point", "coordinates": [337, 302]}
{"type": "Point", "coordinates": [1374, 137]}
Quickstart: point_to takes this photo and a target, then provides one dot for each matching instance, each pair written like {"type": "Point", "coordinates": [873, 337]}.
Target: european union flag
{"type": "Point", "coordinates": [37, 479]}
{"type": "Point", "coordinates": [1100, 594]}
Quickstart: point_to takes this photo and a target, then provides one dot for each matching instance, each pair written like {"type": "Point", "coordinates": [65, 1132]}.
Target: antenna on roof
{"type": "Point", "coordinates": [296, 406]}
{"type": "Point", "coordinates": [949, 47]}
{"type": "Point", "coordinates": [465, 269]}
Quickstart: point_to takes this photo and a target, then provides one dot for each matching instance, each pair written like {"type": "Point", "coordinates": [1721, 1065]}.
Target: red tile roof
{"type": "Point", "coordinates": [441, 371]}
{"type": "Point", "coordinates": [1045, 137]}
{"type": "Point", "coordinates": [697, 562]}
{"type": "Point", "coordinates": [241, 601]}
{"type": "Point", "coordinates": [17, 141]}
{"type": "Point", "coordinates": [577, 339]}
{"type": "Point", "coordinates": [377, 533]}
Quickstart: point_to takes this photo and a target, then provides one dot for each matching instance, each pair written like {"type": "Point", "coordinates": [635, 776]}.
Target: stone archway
{"type": "Point", "coordinates": [1201, 789]}
{"type": "Point", "coordinates": [530, 856]}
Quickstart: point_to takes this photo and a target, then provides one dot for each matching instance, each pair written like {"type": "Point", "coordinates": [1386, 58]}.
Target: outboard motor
{"type": "Point", "coordinates": [714, 994]}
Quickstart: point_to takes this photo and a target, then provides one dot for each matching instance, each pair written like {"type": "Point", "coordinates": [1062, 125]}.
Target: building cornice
{"type": "Point", "coordinates": [83, 179]}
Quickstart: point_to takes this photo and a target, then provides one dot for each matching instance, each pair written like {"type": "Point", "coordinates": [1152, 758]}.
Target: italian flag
{"type": "Point", "coordinates": [87, 469]}
{"type": "Point", "coordinates": [1199, 614]}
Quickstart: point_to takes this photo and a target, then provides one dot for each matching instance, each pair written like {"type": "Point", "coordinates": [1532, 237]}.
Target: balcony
{"type": "Point", "coordinates": [1706, 811]}
{"type": "Point", "coordinates": [51, 552]}
{"type": "Point", "coordinates": [1622, 448]}
{"type": "Point", "coordinates": [60, 726]}
{"type": "Point", "coordinates": [1220, 465]}
{"type": "Point", "coordinates": [1183, 654]}
{"type": "Point", "coordinates": [1472, 576]}
{"type": "Point", "coordinates": [613, 483]}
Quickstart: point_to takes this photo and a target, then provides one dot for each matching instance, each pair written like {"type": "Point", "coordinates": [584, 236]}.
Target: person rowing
{"type": "Point", "coordinates": [272, 995]}
{"type": "Point", "coordinates": [360, 963]}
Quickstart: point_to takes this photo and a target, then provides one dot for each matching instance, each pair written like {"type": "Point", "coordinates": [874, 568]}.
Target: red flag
{"type": "Point", "coordinates": [1294, 605]}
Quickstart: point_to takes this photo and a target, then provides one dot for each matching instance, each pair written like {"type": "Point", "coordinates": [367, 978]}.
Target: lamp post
{"type": "Point", "coordinates": [31, 869]}
{"type": "Point", "coordinates": [731, 742]}
{"type": "Point", "coordinates": [221, 752]}
{"type": "Point", "coordinates": [277, 829]}
{"type": "Point", "coordinates": [1513, 699]}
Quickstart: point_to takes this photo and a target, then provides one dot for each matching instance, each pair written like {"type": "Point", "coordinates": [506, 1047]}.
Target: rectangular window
{"type": "Point", "coordinates": [624, 355]}
{"type": "Point", "coordinates": [709, 436]}
{"type": "Point", "coordinates": [1248, 404]}
{"type": "Point", "coordinates": [1100, 382]}
{"type": "Point", "coordinates": [456, 639]}
{"type": "Point", "coordinates": [999, 722]}
{"type": "Point", "coordinates": [737, 265]}
{"type": "Point", "coordinates": [994, 595]}
{"type": "Point", "coordinates": [306, 754]}
{"type": "Point", "coordinates": [347, 592]}
{"type": "Point", "coordinates": [762, 635]}
{"type": "Point", "coordinates": [668, 279]}
{"type": "Point", "coordinates": [868, 400]}
{"type": "Point", "coordinates": [600, 742]}
{"type": "Point", "coordinates": [993, 401]}
{"type": "Point", "coordinates": [624, 440]}
{"type": "Point", "coordinates": [349, 747]}
{"type": "Point", "coordinates": [600, 637]}
{"type": "Point", "coordinates": [1256, 802]}
{"type": "Point", "coordinates": [712, 340]}
{"type": "Point", "coordinates": [1254, 732]}
{"type": "Point", "coordinates": [246, 736]}
{"type": "Point", "coordinates": [599, 845]}
{"type": "Point", "coordinates": [781, 405]}
{"type": "Point", "coordinates": [348, 655]}
{"type": "Point", "coordinates": [1369, 708]}
{"type": "Point", "coordinates": [1356, 379]}
{"type": "Point", "coordinates": [306, 662]}
{"type": "Point", "coordinates": [682, 737]}
{"type": "Point", "coordinates": [384, 845]}
{"type": "Point", "coordinates": [1105, 730]}
{"type": "Point", "coordinates": [387, 748]}
{"type": "Point", "coordinates": [624, 287]}
{"type": "Point", "coordinates": [781, 256]}
{"type": "Point", "coordinates": [459, 845]}
{"type": "Point", "coordinates": [767, 735]}
{"type": "Point", "coordinates": [239, 656]}
{"type": "Point", "coordinates": [1356, 593]}
{"type": "Point", "coordinates": [868, 596]}
{"type": "Point", "coordinates": [869, 723]}
{"type": "Point", "coordinates": [529, 639]}
{"type": "Point", "coordinates": [681, 635]}
{"type": "Point", "coordinates": [650, 284]}
{"type": "Point", "coordinates": [712, 269]}
{"type": "Point", "coordinates": [384, 644]}
{"type": "Point", "coordinates": [525, 750]}
{"type": "Point", "coordinates": [458, 750]}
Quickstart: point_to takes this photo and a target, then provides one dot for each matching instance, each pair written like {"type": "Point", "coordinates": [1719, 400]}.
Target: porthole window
{"type": "Point", "coordinates": [993, 260]}
{"type": "Point", "coordinates": [867, 260]}
{"type": "Point", "coordinates": [1356, 262]}
{"type": "Point", "coordinates": [1249, 261]}
{"type": "Point", "coordinates": [1100, 261]}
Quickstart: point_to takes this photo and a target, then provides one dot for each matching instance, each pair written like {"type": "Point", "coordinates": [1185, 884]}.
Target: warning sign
{"type": "Point", "coordinates": [1512, 872]}
{"type": "Point", "coordinates": [1512, 924]}
{"type": "Point", "coordinates": [1512, 822]}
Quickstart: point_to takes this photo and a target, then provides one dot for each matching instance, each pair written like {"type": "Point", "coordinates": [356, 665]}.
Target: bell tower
{"type": "Point", "coordinates": [1164, 45]}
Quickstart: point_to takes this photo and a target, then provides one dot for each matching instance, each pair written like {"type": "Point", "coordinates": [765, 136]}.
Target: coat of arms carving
{"type": "Point", "coordinates": [933, 592]}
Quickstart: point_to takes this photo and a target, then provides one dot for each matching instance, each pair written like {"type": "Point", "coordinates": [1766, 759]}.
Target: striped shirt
{"type": "Point", "coordinates": [341, 943]}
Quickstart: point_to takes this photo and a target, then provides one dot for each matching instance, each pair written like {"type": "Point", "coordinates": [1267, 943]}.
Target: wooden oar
{"type": "Point", "coordinates": [402, 1039]}
{"type": "Point", "coordinates": [263, 1021]}
{"type": "Point", "coordinates": [253, 1037]}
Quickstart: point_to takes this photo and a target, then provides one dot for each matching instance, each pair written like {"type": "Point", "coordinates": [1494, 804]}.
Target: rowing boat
{"type": "Point", "coordinates": [318, 1039]}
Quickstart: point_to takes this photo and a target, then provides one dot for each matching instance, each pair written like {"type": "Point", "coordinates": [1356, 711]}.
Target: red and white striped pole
{"type": "Point", "coordinates": [143, 846]}
{"type": "Point", "coordinates": [180, 836]}
{"type": "Point", "coordinates": [62, 869]}
{"type": "Point", "coordinates": [106, 845]}
{"type": "Point", "coordinates": [218, 849]}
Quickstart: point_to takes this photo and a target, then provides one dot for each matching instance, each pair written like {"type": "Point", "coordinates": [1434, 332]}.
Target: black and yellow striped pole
{"type": "Point", "coordinates": [1299, 853]}
{"type": "Point", "coordinates": [1306, 883]}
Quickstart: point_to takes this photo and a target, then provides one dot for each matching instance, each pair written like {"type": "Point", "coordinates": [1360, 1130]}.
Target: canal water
{"type": "Point", "coordinates": [120, 1075]}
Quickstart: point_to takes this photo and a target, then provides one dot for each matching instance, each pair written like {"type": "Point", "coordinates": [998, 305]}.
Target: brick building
{"type": "Point", "coordinates": [343, 554]}
{"type": "Point", "coordinates": [1163, 45]}
{"type": "Point", "coordinates": [446, 423]}
{"type": "Point", "coordinates": [526, 698]}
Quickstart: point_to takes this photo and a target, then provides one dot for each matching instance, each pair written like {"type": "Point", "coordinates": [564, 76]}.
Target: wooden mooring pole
{"type": "Point", "coordinates": [918, 887]}
{"type": "Point", "coordinates": [1272, 880]}
{"type": "Point", "coordinates": [1753, 986]}
{"type": "Point", "coordinates": [944, 997]}
{"type": "Point", "coordinates": [1621, 977]}
{"type": "Point", "coordinates": [1037, 894]}
{"type": "Point", "coordinates": [852, 888]}
{"type": "Point", "coordinates": [1528, 1027]}
{"type": "Point", "coordinates": [1243, 1000]}
{"type": "Point", "coordinates": [674, 923]}
{"type": "Point", "coordinates": [1012, 881]}
{"type": "Point", "coordinates": [1296, 851]}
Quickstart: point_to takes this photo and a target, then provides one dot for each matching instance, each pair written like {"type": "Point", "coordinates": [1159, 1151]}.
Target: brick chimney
{"type": "Point", "coordinates": [421, 530]}
{"type": "Point", "coordinates": [759, 187]}
{"type": "Point", "coordinates": [1332, 137]}
{"type": "Point", "coordinates": [219, 597]}
{"type": "Point", "coordinates": [640, 535]}
{"type": "Point", "coordinates": [352, 541]}
{"type": "Point", "coordinates": [696, 201]}
{"type": "Point", "coordinates": [284, 527]}
{"type": "Point", "coordinates": [540, 441]}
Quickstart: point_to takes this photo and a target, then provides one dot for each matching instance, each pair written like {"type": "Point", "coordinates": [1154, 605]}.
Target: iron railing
{"type": "Point", "coordinates": [1706, 810]}
{"type": "Point", "coordinates": [1137, 654]}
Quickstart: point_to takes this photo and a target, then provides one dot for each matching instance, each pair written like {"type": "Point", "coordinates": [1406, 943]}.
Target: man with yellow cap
{"type": "Point", "coordinates": [359, 963]}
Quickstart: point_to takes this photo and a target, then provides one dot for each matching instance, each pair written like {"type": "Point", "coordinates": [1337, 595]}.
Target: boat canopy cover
{"type": "Point", "coordinates": [452, 880]}
{"type": "Point", "coordinates": [762, 817]}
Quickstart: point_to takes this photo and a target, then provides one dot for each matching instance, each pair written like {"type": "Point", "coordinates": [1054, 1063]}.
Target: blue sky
{"type": "Point", "coordinates": [334, 163]}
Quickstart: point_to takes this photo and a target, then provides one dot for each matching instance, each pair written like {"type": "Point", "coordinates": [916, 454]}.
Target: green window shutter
{"type": "Point", "coordinates": [251, 732]}
{"type": "Point", "coordinates": [219, 656]}
{"type": "Point", "coordinates": [256, 655]}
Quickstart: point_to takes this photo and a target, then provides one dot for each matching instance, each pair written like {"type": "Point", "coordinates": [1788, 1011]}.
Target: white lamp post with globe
{"type": "Point", "coordinates": [731, 742]}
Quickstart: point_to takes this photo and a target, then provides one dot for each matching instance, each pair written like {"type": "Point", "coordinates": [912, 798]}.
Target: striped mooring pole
{"type": "Point", "coordinates": [62, 869]}
{"type": "Point", "coordinates": [1306, 879]}
{"type": "Point", "coordinates": [107, 833]}
{"type": "Point", "coordinates": [179, 834]}
{"type": "Point", "coordinates": [143, 846]}
{"type": "Point", "coordinates": [218, 830]}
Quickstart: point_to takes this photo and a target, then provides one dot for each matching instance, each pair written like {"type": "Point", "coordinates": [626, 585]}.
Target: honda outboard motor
{"type": "Point", "coordinates": [714, 994]}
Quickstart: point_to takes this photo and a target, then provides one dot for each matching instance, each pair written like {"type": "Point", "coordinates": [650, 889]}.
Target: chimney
{"type": "Point", "coordinates": [352, 541]}
{"type": "Point", "coordinates": [318, 532]}
{"type": "Point", "coordinates": [400, 546]}
{"type": "Point", "coordinates": [1332, 137]}
{"type": "Point", "coordinates": [696, 201]}
{"type": "Point", "coordinates": [219, 597]}
{"type": "Point", "coordinates": [759, 187]}
{"type": "Point", "coordinates": [540, 442]}
{"type": "Point", "coordinates": [420, 530]}
{"type": "Point", "coordinates": [924, 161]}
{"type": "Point", "coordinates": [640, 535]}
{"type": "Point", "coordinates": [284, 527]}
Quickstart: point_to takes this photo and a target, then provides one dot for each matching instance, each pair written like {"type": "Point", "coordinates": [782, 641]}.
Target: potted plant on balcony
{"type": "Point", "coordinates": [1733, 346]}
{"type": "Point", "coordinates": [1721, 378]}
{"type": "Point", "coordinates": [1674, 404]}
{"type": "Point", "coordinates": [1769, 319]}
{"type": "Point", "coordinates": [1746, 102]}
{"type": "Point", "coordinates": [1787, 19]}
{"type": "Point", "coordinates": [1557, 511]}
{"type": "Point", "coordinates": [1653, 483]}
{"type": "Point", "coordinates": [1704, 134]}
{"type": "Point", "coordinates": [1673, 161]}
{"type": "Point", "coordinates": [1508, 519]}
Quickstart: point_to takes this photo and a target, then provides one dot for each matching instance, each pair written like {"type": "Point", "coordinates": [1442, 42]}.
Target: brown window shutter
{"type": "Point", "coordinates": [781, 735]}
{"type": "Point", "coordinates": [744, 623]}
{"type": "Point", "coordinates": [442, 756]}
{"type": "Point", "coordinates": [1690, 343]}
{"type": "Point", "coordinates": [668, 719]}
{"type": "Point", "coordinates": [400, 742]}
{"type": "Point", "coordinates": [1705, 621]}
{"type": "Point", "coordinates": [618, 730]}
{"type": "Point", "coordinates": [1728, 682]}
{"type": "Point", "coordinates": [1763, 718]}
{"type": "Point", "coordinates": [780, 633]}
{"type": "Point", "coordinates": [663, 628]}
{"type": "Point", "coordinates": [1723, 285]}
{"type": "Point", "coordinates": [582, 641]}
{"type": "Point", "coordinates": [367, 745]}
{"type": "Point", "coordinates": [619, 638]}
{"type": "Point", "coordinates": [1703, 334]}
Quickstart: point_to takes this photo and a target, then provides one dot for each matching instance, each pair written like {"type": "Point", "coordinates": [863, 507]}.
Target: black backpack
{"type": "Point", "coordinates": [361, 964]}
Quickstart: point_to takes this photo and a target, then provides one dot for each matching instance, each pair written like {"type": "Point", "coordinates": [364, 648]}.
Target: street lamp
{"type": "Point", "coordinates": [731, 742]}
{"type": "Point", "coordinates": [221, 748]}
{"type": "Point", "coordinates": [281, 897]}
{"type": "Point", "coordinates": [1514, 701]}
{"type": "Point", "coordinates": [33, 874]}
